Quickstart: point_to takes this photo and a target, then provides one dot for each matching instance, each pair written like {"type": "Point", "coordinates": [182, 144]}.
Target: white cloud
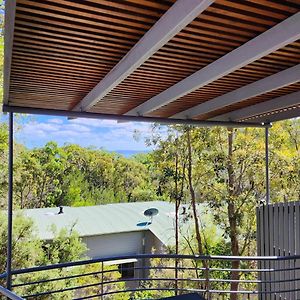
{"type": "Point", "coordinates": [76, 127]}
{"type": "Point", "coordinates": [94, 122]}
{"type": "Point", "coordinates": [107, 134]}
{"type": "Point", "coordinates": [109, 123]}
{"type": "Point", "coordinates": [56, 121]}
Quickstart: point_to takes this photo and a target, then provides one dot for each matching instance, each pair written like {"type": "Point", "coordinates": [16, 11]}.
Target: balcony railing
{"type": "Point", "coordinates": [9, 294]}
{"type": "Point", "coordinates": [159, 275]}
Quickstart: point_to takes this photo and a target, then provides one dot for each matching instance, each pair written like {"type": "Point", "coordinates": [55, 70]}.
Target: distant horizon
{"type": "Point", "coordinates": [128, 153]}
{"type": "Point", "coordinates": [124, 138]}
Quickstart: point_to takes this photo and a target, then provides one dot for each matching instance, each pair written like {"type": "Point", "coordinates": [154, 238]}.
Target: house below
{"type": "Point", "coordinates": [115, 229]}
{"type": "Point", "coordinates": [112, 229]}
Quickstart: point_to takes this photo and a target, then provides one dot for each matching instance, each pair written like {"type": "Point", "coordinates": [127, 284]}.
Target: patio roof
{"type": "Point", "coordinates": [166, 60]}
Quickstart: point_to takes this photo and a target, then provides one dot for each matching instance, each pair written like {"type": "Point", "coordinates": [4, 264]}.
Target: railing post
{"type": "Point", "coordinates": [176, 277]}
{"type": "Point", "coordinates": [267, 165]}
{"type": "Point", "coordinates": [207, 281]}
{"type": "Point", "coordinates": [102, 277]}
{"type": "Point", "coordinates": [10, 201]}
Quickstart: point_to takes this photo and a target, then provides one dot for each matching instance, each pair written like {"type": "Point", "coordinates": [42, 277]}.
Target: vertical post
{"type": "Point", "coordinates": [10, 201]}
{"type": "Point", "coordinates": [142, 273]}
{"type": "Point", "coordinates": [207, 280]}
{"type": "Point", "coordinates": [267, 165]}
{"type": "Point", "coordinates": [176, 277]}
{"type": "Point", "coordinates": [102, 277]}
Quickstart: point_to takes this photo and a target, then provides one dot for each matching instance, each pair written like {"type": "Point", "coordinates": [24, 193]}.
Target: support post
{"type": "Point", "coordinates": [267, 165]}
{"type": "Point", "coordinates": [102, 279]}
{"type": "Point", "coordinates": [10, 201]}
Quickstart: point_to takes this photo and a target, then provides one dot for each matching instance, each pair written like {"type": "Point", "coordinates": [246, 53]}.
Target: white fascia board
{"type": "Point", "coordinates": [172, 22]}
{"type": "Point", "coordinates": [10, 12]}
{"type": "Point", "coordinates": [265, 85]}
{"type": "Point", "coordinates": [278, 103]}
{"type": "Point", "coordinates": [271, 40]}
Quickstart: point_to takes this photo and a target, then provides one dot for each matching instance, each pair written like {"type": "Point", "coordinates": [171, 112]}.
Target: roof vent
{"type": "Point", "coordinates": [61, 210]}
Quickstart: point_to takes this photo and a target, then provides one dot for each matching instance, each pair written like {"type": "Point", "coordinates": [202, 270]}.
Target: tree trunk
{"type": "Point", "coordinates": [193, 201]}
{"type": "Point", "coordinates": [232, 217]}
{"type": "Point", "coordinates": [192, 194]}
{"type": "Point", "coordinates": [179, 186]}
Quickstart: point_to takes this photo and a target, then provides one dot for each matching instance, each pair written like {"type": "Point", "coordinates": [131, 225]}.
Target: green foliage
{"type": "Point", "coordinates": [232, 184]}
{"type": "Point", "coordinates": [110, 273]}
{"type": "Point", "coordinates": [75, 176]}
{"type": "Point", "coordinates": [66, 246]}
{"type": "Point", "coordinates": [26, 249]}
{"type": "Point", "coordinates": [29, 251]}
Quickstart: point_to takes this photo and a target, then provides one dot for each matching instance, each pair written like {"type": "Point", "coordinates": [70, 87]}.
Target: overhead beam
{"type": "Point", "coordinates": [90, 115]}
{"type": "Point", "coordinates": [10, 12]}
{"type": "Point", "coordinates": [173, 21]}
{"type": "Point", "coordinates": [270, 83]}
{"type": "Point", "coordinates": [289, 113]}
{"type": "Point", "coordinates": [261, 108]}
{"type": "Point", "coordinates": [271, 40]}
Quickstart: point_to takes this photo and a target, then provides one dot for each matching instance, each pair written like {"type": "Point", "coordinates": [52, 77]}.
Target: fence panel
{"type": "Point", "coordinates": [278, 234]}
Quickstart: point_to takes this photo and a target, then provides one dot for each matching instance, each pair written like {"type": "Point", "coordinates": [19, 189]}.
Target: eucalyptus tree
{"type": "Point", "coordinates": [42, 172]}
{"type": "Point", "coordinates": [224, 168]}
{"type": "Point", "coordinates": [285, 161]}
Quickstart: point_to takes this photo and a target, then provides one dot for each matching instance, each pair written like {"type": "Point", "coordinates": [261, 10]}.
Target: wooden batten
{"type": "Point", "coordinates": [58, 51]}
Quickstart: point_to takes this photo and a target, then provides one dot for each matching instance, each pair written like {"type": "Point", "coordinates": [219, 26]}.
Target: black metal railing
{"type": "Point", "coordinates": [8, 294]}
{"type": "Point", "coordinates": [151, 276]}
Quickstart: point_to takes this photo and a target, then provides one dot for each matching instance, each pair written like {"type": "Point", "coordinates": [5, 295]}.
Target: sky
{"type": "Point", "coordinates": [36, 131]}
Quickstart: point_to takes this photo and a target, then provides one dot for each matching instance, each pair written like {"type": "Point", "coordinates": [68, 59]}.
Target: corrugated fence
{"type": "Point", "coordinates": [278, 234]}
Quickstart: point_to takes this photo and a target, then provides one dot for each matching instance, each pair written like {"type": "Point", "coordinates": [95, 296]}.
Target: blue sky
{"type": "Point", "coordinates": [35, 131]}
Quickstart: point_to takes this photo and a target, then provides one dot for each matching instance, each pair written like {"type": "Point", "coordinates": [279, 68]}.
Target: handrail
{"type": "Point", "coordinates": [9, 294]}
{"type": "Point", "coordinates": [149, 256]}
{"type": "Point", "coordinates": [258, 275]}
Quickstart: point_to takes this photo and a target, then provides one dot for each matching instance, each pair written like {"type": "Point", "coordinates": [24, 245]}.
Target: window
{"type": "Point", "coordinates": [126, 270]}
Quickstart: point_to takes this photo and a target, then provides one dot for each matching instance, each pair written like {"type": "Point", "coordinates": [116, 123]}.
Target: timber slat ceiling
{"type": "Point", "coordinates": [72, 45]}
{"type": "Point", "coordinates": [63, 48]}
{"type": "Point", "coordinates": [255, 100]}
{"type": "Point", "coordinates": [248, 74]}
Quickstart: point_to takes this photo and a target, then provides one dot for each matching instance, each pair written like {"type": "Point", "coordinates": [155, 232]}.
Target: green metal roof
{"type": "Point", "coordinates": [107, 219]}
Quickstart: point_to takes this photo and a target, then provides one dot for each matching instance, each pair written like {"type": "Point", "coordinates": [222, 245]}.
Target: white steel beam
{"type": "Point", "coordinates": [90, 115]}
{"type": "Point", "coordinates": [285, 114]}
{"type": "Point", "coordinates": [271, 40]}
{"type": "Point", "coordinates": [270, 83]}
{"type": "Point", "coordinates": [278, 103]}
{"type": "Point", "coordinates": [10, 12]}
{"type": "Point", "coordinates": [173, 21]}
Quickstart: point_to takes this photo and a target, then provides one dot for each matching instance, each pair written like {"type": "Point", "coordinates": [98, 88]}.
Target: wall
{"type": "Point", "coordinates": [118, 244]}
{"type": "Point", "coordinates": [114, 244]}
